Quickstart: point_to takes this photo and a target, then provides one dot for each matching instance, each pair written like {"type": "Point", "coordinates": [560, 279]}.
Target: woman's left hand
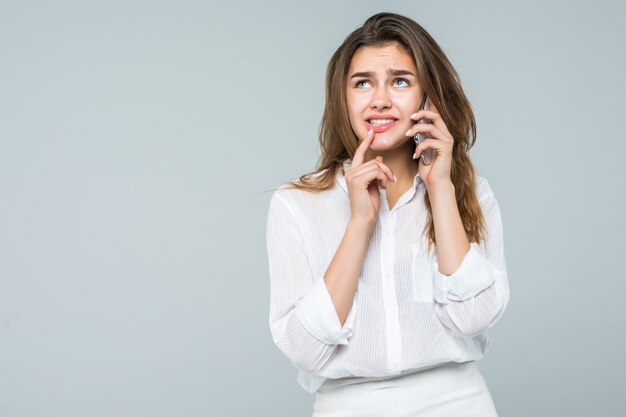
{"type": "Point", "coordinates": [438, 172]}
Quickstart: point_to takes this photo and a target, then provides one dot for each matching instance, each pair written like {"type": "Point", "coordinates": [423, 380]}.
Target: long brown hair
{"type": "Point", "coordinates": [438, 79]}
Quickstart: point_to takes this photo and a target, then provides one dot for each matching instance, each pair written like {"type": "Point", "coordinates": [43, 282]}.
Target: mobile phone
{"type": "Point", "coordinates": [427, 155]}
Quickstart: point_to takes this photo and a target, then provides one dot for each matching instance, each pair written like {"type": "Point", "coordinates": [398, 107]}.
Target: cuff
{"type": "Point", "coordinates": [318, 315]}
{"type": "Point", "coordinates": [474, 275]}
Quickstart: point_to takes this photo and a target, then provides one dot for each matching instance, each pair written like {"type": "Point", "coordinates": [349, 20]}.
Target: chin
{"type": "Point", "coordinates": [386, 144]}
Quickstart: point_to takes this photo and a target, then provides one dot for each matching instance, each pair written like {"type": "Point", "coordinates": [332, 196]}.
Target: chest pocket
{"type": "Point", "coordinates": [421, 274]}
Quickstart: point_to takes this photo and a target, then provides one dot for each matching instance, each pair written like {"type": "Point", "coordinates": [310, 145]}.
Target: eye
{"type": "Point", "coordinates": [358, 84]}
{"type": "Point", "coordinates": [402, 80]}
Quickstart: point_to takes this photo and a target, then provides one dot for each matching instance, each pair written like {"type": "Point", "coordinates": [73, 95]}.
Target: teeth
{"type": "Point", "coordinates": [378, 122]}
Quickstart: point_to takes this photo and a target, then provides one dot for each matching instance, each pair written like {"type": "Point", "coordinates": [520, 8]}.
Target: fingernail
{"type": "Point", "coordinates": [408, 132]}
{"type": "Point", "coordinates": [369, 132]}
{"type": "Point", "coordinates": [395, 178]}
{"type": "Point", "coordinates": [414, 115]}
{"type": "Point", "coordinates": [414, 156]}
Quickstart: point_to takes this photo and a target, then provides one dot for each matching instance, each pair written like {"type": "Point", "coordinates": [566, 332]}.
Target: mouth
{"type": "Point", "coordinates": [380, 125]}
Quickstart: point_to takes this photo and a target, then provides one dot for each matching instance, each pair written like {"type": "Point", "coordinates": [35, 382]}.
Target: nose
{"type": "Point", "coordinates": [381, 99]}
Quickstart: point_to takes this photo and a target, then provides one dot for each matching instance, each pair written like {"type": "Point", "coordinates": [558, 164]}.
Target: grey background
{"type": "Point", "coordinates": [136, 139]}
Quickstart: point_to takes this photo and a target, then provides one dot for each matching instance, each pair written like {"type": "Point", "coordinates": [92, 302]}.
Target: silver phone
{"type": "Point", "coordinates": [427, 155]}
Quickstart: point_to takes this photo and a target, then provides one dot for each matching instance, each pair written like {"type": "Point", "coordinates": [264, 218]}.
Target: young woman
{"type": "Point", "coordinates": [386, 270]}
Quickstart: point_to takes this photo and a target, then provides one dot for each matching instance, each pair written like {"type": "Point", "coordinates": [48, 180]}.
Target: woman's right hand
{"type": "Point", "coordinates": [363, 180]}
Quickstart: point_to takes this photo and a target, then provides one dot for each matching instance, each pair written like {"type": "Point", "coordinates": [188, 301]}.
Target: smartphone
{"type": "Point", "coordinates": [427, 155]}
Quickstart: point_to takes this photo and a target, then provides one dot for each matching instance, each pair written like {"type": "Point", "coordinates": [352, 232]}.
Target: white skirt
{"type": "Point", "coordinates": [447, 389]}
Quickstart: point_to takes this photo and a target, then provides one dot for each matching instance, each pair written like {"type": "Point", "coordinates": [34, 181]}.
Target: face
{"type": "Point", "coordinates": [382, 92]}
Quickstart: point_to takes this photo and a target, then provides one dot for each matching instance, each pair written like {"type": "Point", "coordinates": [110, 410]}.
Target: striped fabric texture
{"type": "Point", "coordinates": [405, 314]}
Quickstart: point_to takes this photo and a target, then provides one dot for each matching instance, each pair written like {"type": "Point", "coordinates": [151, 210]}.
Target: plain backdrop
{"type": "Point", "coordinates": [137, 138]}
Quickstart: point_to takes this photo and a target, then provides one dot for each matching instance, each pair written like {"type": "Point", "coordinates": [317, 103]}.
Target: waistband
{"type": "Point", "coordinates": [330, 383]}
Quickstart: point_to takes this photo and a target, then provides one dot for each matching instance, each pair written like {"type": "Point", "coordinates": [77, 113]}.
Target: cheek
{"type": "Point", "coordinates": [408, 104]}
{"type": "Point", "coordinates": [357, 102]}
{"type": "Point", "coordinates": [355, 108]}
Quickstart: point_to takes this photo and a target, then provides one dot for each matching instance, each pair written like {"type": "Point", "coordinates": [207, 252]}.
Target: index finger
{"type": "Point", "coordinates": [359, 155]}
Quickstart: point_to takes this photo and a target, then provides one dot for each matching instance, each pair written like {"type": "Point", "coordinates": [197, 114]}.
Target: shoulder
{"type": "Point", "coordinates": [280, 204]}
{"type": "Point", "coordinates": [301, 200]}
{"type": "Point", "coordinates": [282, 195]}
{"type": "Point", "coordinates": [288, 189]}
{"type": "Point", "coordinates": [483, 188]}
{"type": "Point", "coordinates": [487, 200]}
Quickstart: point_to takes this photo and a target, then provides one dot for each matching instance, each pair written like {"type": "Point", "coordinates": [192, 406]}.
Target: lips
{"type": "Point", "coordinates": [381, 123]}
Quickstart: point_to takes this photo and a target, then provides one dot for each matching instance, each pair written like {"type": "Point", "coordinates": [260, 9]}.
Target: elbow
{"type": "Point", "coordinates": [312, 362]}
{"type": "Point", "coordinates": [303, 350]}
{"type": "Point", "coordinates": [465, 327]}
{"type": "Point", "coordinates": [471, 317]}
{"type": "Point", "coordinates": [309, 357]}
{"type": "Point", "coordinates": [476, 327]}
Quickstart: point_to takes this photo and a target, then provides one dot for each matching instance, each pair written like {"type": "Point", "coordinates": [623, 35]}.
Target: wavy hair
{"type": "Point", "coordinates": [438, 79]}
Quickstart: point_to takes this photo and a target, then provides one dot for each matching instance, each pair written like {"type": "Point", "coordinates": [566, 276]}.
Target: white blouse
{"type": "Point", "coordinates": [405, 315]}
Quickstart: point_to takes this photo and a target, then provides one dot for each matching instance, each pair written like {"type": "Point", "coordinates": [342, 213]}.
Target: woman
{"type": "Point", "coordinates": [386, 271]}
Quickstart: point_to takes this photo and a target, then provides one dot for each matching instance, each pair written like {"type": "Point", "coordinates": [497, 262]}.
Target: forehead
{"type": "Point", "coordinates": [386, 56]}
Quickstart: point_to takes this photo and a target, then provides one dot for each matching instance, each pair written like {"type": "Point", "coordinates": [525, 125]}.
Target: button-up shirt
{"type": "Point", "coordinates": [405, 314]}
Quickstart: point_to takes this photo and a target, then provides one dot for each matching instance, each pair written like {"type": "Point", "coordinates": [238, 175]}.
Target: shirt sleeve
{"type": "Point", "coordinates": [303, 319]}
{"type": "Point", "coordinates": [474, 297]}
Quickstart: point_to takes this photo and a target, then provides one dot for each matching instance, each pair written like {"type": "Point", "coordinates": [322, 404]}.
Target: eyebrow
{"type": "Point", "coordinates": [390, 71]}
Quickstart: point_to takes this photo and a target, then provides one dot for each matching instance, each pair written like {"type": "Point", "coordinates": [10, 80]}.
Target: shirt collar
{"type": "Point", "coordinates": [346, 165]}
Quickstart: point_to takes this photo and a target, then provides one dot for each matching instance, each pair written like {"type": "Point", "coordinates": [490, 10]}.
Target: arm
{"type": "Point", "coordinates": [304, 321]}
{"type": "Point", "coordinates": [452, 244]}
{"type": "Point", "coordinates": [342, 275]}
{"type": "Point", "coordinates": [470, 294]}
